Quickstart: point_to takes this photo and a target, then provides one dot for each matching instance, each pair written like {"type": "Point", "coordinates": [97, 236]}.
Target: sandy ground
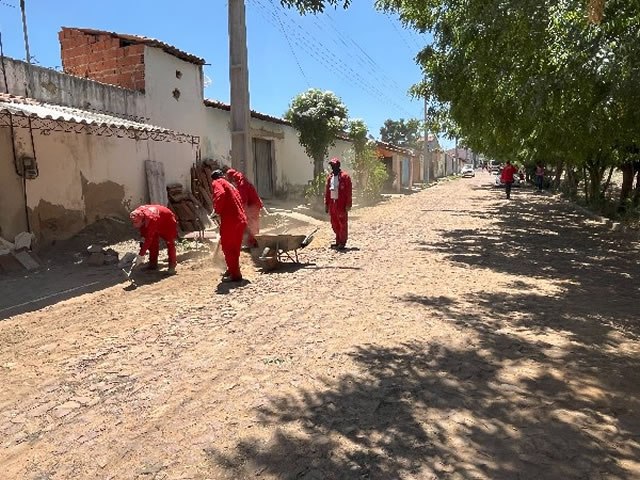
{"type": "Point", "coordinates": [461, 336]}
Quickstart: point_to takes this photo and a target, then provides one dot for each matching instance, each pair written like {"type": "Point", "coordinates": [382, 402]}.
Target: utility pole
{"type": "Point", "coordinates": [23, 10]}
{"type": "Point", "coordinates": [241, 151]}
{"type": "Point", "coordinates": [425, 147]}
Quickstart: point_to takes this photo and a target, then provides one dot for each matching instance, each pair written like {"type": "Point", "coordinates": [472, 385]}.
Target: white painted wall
{"type": "Point", "coordinates": [185, 114]}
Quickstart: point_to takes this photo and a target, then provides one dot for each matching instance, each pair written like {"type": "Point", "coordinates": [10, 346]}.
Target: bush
{"type": "Point", "coordinates": [314, 192]}
{"type": "Point", "coordinates": [370, 173]}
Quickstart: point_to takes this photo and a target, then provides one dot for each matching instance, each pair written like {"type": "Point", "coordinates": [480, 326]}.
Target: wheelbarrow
{"type": "Point", "coordinates": [276, 249]}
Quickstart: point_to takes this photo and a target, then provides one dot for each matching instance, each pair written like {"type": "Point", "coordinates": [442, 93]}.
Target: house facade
{"type": "Point", "coordinates": [401, 164]}
{"type": "Point", "coordinates": [121, 100]}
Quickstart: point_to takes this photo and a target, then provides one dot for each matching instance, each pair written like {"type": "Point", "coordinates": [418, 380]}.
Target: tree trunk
{"type": "Point", "coordinates": [595, 170]}
{"type": "Point", "coordinates": [627, 185]}
{"type": "Point", "coordinates": [572, 182]}
{"type": "Point", "coordinates": [605, 187]}
{"type": "Point", "coordinates": [558, 174]}
{"type": "Point", "coordinates": [318, 166]}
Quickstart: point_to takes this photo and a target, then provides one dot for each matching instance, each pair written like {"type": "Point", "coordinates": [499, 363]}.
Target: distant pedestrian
{"type": "Point", "coordinates": [539, 176]}
{"type": "Point", "coordinates": [507, 177]}
{"type": "Point", "coordinates": [156, 222]}
{"type": "Point", "coordinates": [337, 201]}
{"type": "Point", "coordinates": [228, 206]}
{"type": "Point", "coordinates": [250, 201]}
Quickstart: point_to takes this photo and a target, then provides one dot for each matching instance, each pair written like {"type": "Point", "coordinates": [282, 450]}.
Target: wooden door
{"type": "Point", "coordinates": [263, 167]}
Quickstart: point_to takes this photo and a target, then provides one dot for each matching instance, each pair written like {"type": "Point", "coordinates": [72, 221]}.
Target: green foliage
{"type": "Point", "coordinates": [358, 134]}
{"type": "Point", "coordinates": [319, 116]}
{"type": "Point", "coordinates": [315, 190]}
{"type": "Point", "coordinates": [400, 132]}
{"type": "Point", "coordinates": [532, 80]}
{"type": "Point", "coordinates": [369, 172]}
{"type": "Point", "coordinates": [314, 6]}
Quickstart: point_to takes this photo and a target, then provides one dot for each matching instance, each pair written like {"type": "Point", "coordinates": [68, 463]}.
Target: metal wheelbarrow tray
{"type": "Point", "coordinates": [275, 249]}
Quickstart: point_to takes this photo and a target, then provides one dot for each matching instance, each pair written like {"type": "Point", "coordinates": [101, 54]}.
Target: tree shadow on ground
{"type": "Point", "coordinates": [508, 404]}
{"type": "Point", "coordinates": [533, 239]}
{"type": "Point", "coordinates": [421, 410]}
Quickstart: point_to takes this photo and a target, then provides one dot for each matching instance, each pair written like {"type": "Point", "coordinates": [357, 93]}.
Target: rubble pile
{"type": "Point", "coordinates": [98, 256]}
{"type": "Point", "coordinates": [17, 255]}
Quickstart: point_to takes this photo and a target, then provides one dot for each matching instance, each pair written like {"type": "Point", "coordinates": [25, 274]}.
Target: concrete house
{"type": "Point", "coordinates": [400, 163]}
{"type": "Point", "coordinates": [173, 84]}
{"type": "Point", "coordinates": [73, 145]}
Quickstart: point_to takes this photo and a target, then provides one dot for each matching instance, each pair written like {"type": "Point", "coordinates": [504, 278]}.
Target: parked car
{"type": "Point", "coordinates": [468, 171]}
{"type": "Point", "coordinates": [518, 180]}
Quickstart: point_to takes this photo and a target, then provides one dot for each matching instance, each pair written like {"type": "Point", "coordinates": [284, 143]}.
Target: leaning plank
{"type": "Point", "coordinates": [155, 182]}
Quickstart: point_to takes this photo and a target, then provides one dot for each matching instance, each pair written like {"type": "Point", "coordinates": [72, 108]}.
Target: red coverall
{"type": "Point", "coordinates": [233, 221]}
{"type": "Point", "coordinates": [250, 201]}
{"type": "Point", "coordinates": [506, 177]}
{"type": "Point", "coordinates": [338, 208]}
{"type": "Point", "coordinates": [159, 222]}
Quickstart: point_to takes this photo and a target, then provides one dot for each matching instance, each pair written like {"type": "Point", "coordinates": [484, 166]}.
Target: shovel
{"type": "Point", "coordinates": [130, 271]}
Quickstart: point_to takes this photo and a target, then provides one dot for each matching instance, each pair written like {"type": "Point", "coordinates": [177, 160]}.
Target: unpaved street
{"type": "Point", "coordinates": [462, 337]}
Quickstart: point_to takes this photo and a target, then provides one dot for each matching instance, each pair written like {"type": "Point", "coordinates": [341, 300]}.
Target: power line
{"type": "Point", "coordinates": [295, 57]}
{"type": "Point", "coordinates": [319, 51]}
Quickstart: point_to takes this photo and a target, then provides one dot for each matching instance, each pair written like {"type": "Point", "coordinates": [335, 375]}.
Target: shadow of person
{"type": "Point", "coordinates": [147, 277]}
{"type": "Point", "coordinates": [224, 288]}
{"type": "Point", "coordinates": [347, 249]}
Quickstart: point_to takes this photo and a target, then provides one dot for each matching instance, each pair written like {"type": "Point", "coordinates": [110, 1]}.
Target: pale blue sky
{"type": "Point", "coordinates": [364, 56]}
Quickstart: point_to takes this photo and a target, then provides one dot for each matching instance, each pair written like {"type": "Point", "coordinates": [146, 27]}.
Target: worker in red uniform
{"type": "Point", "coordinates": [156, 222]}
{"type": "Point", "coordinates": [250, 201]}
{"type": "Point", "coordinates": [337, 202]}
{"type": "Point", "coordinates": [506, 177]}
{"type": "Point", "coordinates": [228, 206]}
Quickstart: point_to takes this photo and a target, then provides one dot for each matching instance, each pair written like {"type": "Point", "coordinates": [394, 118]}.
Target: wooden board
{"type": "Point", "coordinates": [156, 183]}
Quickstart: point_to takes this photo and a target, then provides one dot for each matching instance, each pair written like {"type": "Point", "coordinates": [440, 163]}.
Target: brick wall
{"type": "Point", "coordinates": [103, 58]}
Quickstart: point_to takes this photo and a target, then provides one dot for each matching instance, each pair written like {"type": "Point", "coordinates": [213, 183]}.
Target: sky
{"type": "Point", "coordinates": [363, 56]}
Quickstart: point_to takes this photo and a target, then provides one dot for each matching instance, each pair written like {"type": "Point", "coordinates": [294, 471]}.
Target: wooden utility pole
{"type": "Point", "coordinates": [425, 147]}
{"type": "Point", "coordinates": [241, 151]}
{"type": "Point", "coordinates": [23, 11]}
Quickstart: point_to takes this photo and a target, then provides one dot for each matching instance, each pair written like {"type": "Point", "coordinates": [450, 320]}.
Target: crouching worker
{"type": "Point", "coordinates": [228, 206]}
{"type": "Point", "coordinates": [250, 201]}
{"type": "Point", "coordinates": [156, 222]}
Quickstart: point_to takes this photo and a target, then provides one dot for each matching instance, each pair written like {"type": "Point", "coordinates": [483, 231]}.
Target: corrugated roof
{"type": "Point", "coordinates": [260, 116]}
{"type": "Point", "coordinates": [34, 108]}
{"type": "Point", "coordinates": [395, 148]}
{"type": "Point", "coordinates": [30, 108]}
{"type": "Point", "coordinates": [139, 39]}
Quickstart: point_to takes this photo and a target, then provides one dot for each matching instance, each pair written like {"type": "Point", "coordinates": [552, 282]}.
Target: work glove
{"type": "Point", "coordinates": [139, 260]}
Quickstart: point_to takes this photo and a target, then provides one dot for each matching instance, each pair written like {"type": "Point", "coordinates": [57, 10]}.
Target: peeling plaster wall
{"type": "Point", "coordinates": [48, 85]}
{"type": "Point", "coordinates": [81, 179]}
{"type": "Point", "coordinates": [12, 212]}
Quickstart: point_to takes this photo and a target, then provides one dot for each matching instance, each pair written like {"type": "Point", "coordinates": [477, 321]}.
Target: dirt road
{"type": "Point", "coordinates": [462, 336]}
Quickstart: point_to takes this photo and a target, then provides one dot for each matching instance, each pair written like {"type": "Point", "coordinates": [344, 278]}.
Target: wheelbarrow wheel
{"type": "Point", "coordinates": [268, 259]}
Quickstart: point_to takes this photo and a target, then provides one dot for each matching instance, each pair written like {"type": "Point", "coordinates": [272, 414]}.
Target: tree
{"type": "Point", "coordinates": [369, 171]}
{"type": "Point", "coordinates": [532, 80]}
{"type": "Point", "coordinates": [400, 132]}
{"type": "Point", "coordinates": [319, 118]}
